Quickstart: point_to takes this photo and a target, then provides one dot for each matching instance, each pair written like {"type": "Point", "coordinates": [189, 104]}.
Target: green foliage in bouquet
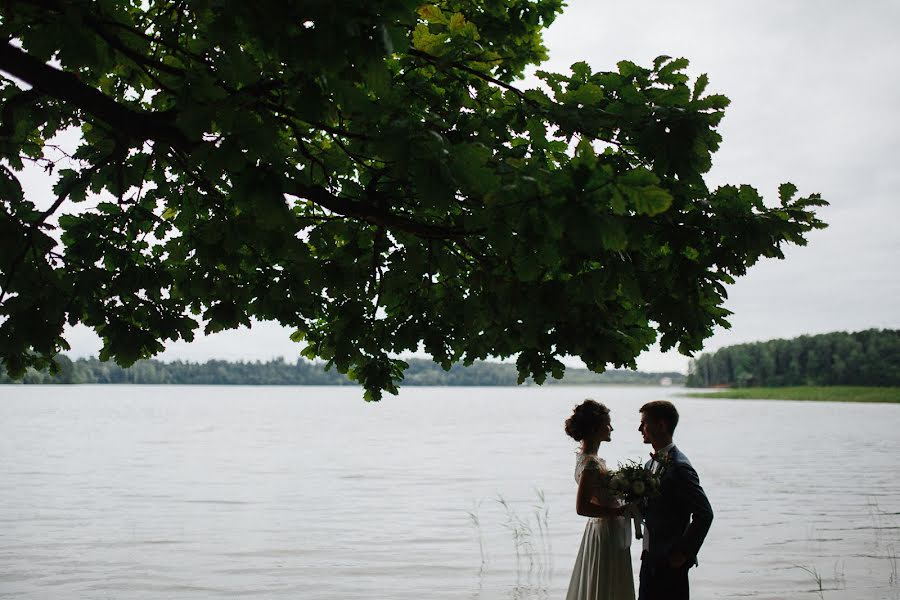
{"type": "Point", "coordinates": [631, 482]}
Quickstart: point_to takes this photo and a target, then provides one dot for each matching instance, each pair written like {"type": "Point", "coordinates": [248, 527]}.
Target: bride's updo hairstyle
{"type": "Point", "coordinates": [587, 418]}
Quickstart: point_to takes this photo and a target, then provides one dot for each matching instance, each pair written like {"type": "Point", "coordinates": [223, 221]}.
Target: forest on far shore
{"type": "Point", "coordinates": [304, 372]}
{"type": "Point", "coordinates": [863, 358]}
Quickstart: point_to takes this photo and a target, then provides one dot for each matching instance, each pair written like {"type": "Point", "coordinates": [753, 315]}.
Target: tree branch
{"type": "Point", "coordinates": [82, 179]}
{"type": "Point", "coordinates": [488, 78]}
{"type": "Point", "coordinates": [68, 88]}
{"type": "Point", "coordinates": [158, 127]}
{"type": "Point", "coordinates": [457, 65]}
{"type": "Point", "coordinates": [376, 216]}
{"type": "Point", "coordinates": [28, 243]}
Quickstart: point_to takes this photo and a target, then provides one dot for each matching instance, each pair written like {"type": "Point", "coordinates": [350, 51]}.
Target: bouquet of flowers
{"type": "Point", "coordinates": [634, 484]}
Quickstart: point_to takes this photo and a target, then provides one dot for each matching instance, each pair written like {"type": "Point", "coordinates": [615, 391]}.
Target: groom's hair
{"type": "Point", "coordinates": [662, 410]}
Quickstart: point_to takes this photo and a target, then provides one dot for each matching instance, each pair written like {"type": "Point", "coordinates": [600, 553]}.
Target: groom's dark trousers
{"type": "Point", "coordinates": [663, 583]}
{"type": "Point", "coordinates": [677, 522]}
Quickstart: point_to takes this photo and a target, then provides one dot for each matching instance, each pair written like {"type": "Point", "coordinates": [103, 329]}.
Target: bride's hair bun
{"type": "Point", "coordinates": [586, 419]}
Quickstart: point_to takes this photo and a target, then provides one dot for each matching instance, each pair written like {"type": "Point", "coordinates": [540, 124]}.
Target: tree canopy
{"type": "Point", "coordinates": [369, 174]}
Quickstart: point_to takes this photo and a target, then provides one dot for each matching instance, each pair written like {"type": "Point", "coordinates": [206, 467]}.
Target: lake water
{"type": "Point", "coordinates": [134, 492]}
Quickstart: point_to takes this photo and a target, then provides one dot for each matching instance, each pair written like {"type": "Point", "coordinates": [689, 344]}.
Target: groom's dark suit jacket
{"type": "Point", "coordinates": [680, 516]}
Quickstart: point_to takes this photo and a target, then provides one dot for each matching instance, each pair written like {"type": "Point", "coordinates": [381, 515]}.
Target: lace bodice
{"type": "Point", "coordinates": [587, 461]}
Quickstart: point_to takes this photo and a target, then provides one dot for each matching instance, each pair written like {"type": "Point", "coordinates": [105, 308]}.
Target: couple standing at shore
{"type": "Point", "coordinates": [675, 522]}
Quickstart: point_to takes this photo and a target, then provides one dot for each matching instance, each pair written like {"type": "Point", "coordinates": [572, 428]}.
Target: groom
{"type": "Point", "coordinates": [676, 521]}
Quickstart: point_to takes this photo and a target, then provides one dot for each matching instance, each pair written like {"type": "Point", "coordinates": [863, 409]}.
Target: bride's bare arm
{"type": "Point", "coordinates": [587, 487]}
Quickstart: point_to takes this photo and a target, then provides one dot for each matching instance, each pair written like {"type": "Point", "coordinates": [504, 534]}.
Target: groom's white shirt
{"type": "Point", "coordinates": [655, 465]}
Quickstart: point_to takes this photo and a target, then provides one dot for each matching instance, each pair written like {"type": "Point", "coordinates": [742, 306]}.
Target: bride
{"type": "Point", "coordinates": [603, 567]}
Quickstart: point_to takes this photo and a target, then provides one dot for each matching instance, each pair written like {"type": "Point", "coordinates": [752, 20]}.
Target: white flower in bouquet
{"type": "Point", "coordinates": [633, 484]}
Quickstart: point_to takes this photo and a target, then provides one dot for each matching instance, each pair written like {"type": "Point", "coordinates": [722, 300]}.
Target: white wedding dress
{"type": "Point", "coordinates": [603, 567]}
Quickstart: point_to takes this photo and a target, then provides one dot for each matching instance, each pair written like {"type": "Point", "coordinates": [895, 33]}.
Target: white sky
{"type": "Point", "coordinates": [815, 91]}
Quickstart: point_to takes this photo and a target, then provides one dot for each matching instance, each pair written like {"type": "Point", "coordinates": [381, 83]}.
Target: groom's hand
{"type": "Point", "coordinates": [677, 559]}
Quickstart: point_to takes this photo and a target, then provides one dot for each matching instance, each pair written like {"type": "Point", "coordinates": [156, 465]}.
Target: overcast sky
{"type": "Point", "coordinates": [815, 91]}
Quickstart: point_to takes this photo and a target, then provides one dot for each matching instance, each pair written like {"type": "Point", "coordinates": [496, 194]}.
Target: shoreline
{"type": "Point", "coordinates": [838, 393]}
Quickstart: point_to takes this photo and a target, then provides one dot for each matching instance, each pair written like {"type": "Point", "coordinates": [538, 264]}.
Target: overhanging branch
{"type": "Point", "coordinates": [143, 126]}
{"type": "Point", "coordinates": [66, 87]}
{"type": "Point", "coordinates": [376, 216]}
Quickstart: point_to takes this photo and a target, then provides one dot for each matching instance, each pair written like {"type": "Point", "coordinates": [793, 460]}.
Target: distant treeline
{"type": "Point", "coordinates": [302, 372]}
{"type": "Point", "coordinates": [870, 357]}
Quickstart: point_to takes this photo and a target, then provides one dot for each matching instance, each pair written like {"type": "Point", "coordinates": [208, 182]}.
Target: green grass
{"type": "Point", "coordinates": [819, 393]}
